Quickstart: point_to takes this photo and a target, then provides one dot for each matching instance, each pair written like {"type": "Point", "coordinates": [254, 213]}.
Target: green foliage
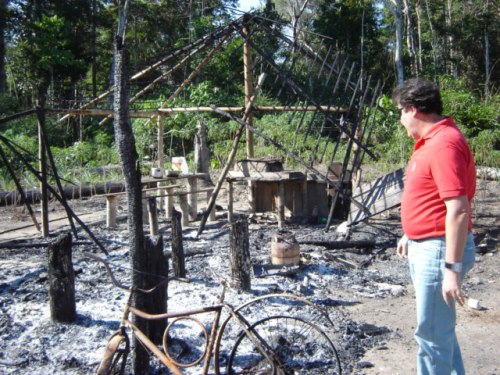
{"type": "Point", "coordinates": [478, 119]}
{"type": "Point", "coordinates": [7, 105]}
{"type": "Point", "coordinates": [51, 45]}
{"type": "Point", "coordinates": [79, 162]}
{"type": "Point", "coordinates": [486, 148]}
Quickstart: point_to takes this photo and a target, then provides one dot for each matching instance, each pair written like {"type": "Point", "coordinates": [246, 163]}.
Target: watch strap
{"type": "Point", "coordinates": [455, 267]}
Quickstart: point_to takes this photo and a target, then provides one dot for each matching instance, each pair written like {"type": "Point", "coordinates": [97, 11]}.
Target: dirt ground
{"type": "Point", "coordinates": [478, 330]}
{"type": "Point", "coordinates": [377, 291]}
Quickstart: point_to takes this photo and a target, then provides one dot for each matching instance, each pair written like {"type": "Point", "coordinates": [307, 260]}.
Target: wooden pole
{"type": "Point", "coordinates": [230, 158]}
{"type": "Point", "coordinates": [248, 74]}
{"type": "Point", "coordinates": [160, 152]}
{"type": "Point", "coordinates": [192, 183]}
{"type": "Point", "coordinates": [281, 205]}
{"type": "Point", "coordinates": [42, 166]}
{"type": "Point", "coordinates": [159, 125]}
{"type": "Point", "coordinates": [230, 202]}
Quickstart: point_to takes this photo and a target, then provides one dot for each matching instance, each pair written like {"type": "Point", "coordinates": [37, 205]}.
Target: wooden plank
{"type": "Point", "coordinates": [378, 196]}
{"type": "Point", "coordinates": [265, 176]}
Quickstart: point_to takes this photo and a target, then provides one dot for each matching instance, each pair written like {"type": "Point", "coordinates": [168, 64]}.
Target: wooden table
{"type": "Point", "coordinates": [282, 178]}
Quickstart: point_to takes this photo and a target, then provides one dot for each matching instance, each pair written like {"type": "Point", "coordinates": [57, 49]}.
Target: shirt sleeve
{"type": "Point", "coordinates": [449, 171]}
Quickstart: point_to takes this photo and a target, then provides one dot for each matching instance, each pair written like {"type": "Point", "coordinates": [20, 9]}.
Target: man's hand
{"type": "Point", "coordinates": [451, 287]}
{"type": "Point", "coordinates": [402, 248]}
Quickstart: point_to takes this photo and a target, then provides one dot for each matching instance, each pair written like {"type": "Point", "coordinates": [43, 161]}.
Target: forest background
{"type": "Point", "coordinates": [57, 53]}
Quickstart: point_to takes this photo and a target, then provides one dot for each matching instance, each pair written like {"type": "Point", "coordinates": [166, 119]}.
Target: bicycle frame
{"type": "Point", "coordinates": [118, 345]}
{"type": "Point", "coordinates": [213, 340]}
{"type": "Point", "coordinates": [153, 348]}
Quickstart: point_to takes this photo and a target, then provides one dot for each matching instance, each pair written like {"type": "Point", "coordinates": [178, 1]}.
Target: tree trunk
{"type": "Point", "coordinates": [94, 49]}
{"type": "Point", "coordinates": [434, 43]}
{"type": "Point", "coordinates": [487, 56]}
{"type": "Point", "coordinates": [398, 56]}
{"type": "Point", "coordinates": [450, 47]}
{"type": "Point", "coordinates": [419, 34]}
{"type": "Point", "coordinates": [410, 38]}
{"type": "Point", "coordinates": [3, 19]}
{"type": "Point", "coordinates": [239, 256]}
{"type": "Point", "coordinates": [124, 138]}
{"type": "Point", "coordinates": [61, 280]}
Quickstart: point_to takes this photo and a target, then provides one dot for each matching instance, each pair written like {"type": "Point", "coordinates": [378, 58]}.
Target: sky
{"type": "Point", "coordinates": [246, 5]}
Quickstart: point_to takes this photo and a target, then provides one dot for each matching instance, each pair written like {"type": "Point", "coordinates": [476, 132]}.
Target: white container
{"type": "Point", "coordinates": [474, 304]}
{"type": "Point", "coordinates": [157, 172]}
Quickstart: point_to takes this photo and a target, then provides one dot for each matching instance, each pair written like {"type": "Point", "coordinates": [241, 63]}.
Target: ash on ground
{"type": "Point", "coordinates": [31, 343]}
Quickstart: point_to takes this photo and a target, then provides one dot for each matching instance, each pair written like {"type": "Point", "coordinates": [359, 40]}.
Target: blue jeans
{"type": "Point", "coordinates": [439, 352]}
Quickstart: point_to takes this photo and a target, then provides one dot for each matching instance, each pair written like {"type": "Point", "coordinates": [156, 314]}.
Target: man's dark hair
{"type": "Point", "coordinates": [422, 94]}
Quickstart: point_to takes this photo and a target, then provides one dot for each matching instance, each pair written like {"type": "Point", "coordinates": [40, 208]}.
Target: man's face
{"type": "Point", "coordinates": [407, 119]}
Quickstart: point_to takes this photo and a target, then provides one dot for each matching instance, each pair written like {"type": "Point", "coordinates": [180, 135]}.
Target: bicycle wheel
{"type": "Point", "coordinates": [298, 346]}
{"type": "Point", "coordinates": [115, 356]}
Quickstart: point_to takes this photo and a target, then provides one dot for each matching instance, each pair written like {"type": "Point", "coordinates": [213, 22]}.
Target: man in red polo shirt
{"type": "Point", "coordinates": [436, 219]}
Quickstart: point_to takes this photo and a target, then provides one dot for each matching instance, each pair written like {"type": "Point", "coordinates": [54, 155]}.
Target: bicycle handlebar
{"type": "Point", "coordinates": [131, 288]}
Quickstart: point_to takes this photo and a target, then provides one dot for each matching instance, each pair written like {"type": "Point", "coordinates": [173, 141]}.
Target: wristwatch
{"type": "Point", "coordinates": [455, 267]}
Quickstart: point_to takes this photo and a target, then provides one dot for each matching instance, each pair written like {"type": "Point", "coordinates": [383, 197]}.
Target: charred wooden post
{"type": "Point", "coordinates": [239, 255]}
{"type": "Point", "coordinates": [157, 301]}
{"type": "Point", "coordinates": [61, 280]}
{"type": "Point", "coordinates": [153, 216]}
{"type": "Point", "coordinates": [178, 258]}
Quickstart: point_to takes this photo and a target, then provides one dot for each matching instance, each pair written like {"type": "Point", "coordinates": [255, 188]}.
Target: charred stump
{"type": "Point", "coordinates": [239, 255]}
{"type": "Point", "coordinates": [61, 280]}
{"type": "Point", "coordinates": [178, 257]}
{"type": "Point", "coordinates": [156, 302]}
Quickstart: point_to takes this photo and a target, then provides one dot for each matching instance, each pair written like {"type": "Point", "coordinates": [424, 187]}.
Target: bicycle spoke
{"type": "Point", "coordinates": [297, 345]}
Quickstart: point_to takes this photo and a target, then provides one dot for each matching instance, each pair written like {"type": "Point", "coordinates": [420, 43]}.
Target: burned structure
{"type": "Point", "coordinates": [328, 104]}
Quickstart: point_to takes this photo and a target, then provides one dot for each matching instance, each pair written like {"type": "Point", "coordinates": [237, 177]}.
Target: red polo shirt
{"type": "Point", "coordinates": [441, 167]}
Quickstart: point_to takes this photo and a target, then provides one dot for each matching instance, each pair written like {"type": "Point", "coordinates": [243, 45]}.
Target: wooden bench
{"type": "Point", "coordinates": [188, 208]}
{"type": "Point", "coordinates": [186, 201]}
{"type": "Point", "coordinates": [111, 202]}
